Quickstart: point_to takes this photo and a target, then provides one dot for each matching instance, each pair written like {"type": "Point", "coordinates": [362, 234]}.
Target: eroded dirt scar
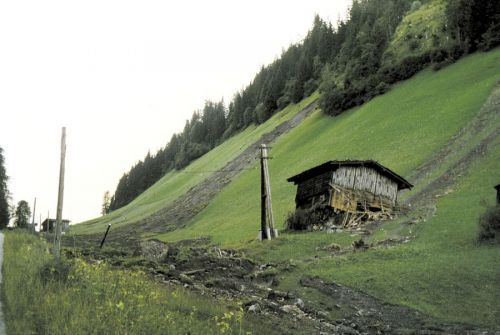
{"type": "Point", "coordinates": [225, 274]}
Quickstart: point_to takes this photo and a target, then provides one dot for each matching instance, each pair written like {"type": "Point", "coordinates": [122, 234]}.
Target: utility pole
{"type": "Point", "coordinates": [267, 231]}
{"type": "Point", "coordinates": [57, 241]}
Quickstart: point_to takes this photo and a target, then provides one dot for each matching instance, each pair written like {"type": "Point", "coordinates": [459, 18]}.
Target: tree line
{"type": "Point", "coordinates": [344, 62]}
{"type": "Point", "coordinates": [21, 213]}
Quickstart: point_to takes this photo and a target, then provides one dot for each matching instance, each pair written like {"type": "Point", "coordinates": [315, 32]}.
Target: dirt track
{"type": "Point", "coordinates": [488, 114]}
{"type": "Point", "coordinates": [353, 312]}
{"type": "Point", "coordinates": [187, 206]}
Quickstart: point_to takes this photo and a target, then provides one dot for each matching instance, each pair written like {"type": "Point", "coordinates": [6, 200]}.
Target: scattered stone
{"type": "Point", "coordinates": [276, 295]}
{"type": "Point", "coordinates": [255, 308]}
{"type": "Point", "coordinates": [333, 247]}
{"type": "Point", "coordinates": [299, 303]}
{"type": "Point", "coordinates": [292, 309]}
{"type": "Point", "coordinates": [185, 279]}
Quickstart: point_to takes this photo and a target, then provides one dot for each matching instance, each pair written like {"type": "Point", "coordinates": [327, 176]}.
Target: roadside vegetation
{"type": "Point", "coordinates": [43, 296]}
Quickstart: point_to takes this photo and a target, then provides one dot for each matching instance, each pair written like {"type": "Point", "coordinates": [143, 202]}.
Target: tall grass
{"type": "Point", "coordinates": [42, 296]}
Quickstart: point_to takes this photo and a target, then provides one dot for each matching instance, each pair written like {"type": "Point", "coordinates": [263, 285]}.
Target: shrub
{"type": "Point", "coordinates": [298, 220]}
{"type": "Point", "coordinates": [310, 86]}
{"type": "Point", "coordinates": [489, 224]}
{"type": "Point", "coordinates": [283, 101]}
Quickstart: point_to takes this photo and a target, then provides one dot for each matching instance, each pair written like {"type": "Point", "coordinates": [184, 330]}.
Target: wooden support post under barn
{"type": "Point", "coordinates": [349, 192]}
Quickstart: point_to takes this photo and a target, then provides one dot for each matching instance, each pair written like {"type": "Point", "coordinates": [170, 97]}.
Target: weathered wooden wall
{"type": "Point", "coordinates": [365, 179]}
{"type": "Point", "coordinates": [313, 187]}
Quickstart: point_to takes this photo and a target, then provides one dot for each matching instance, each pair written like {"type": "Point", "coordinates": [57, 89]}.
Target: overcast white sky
{"type": "Point", "coordinates": [123, 76]}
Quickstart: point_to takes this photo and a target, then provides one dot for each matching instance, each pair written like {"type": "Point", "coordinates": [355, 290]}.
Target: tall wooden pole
{"type": "Point", "coordinates": [267, 220]}
{"type": "Point", "coordinates": [57, 242]}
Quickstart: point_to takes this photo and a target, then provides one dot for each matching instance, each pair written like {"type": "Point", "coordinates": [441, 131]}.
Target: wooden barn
{"type": "Point", "coordinates": [48, 225]}
{"type": "Point", "coordinates": [359, 189]}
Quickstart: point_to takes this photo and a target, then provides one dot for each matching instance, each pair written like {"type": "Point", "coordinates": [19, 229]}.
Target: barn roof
{"type": "Point", "coordinates": [334, 165]}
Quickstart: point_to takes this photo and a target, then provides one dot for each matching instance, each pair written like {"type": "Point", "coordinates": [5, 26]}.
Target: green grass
{"type": "Point", "coordinates": [41, 296]}
{"type": "Point", "coordinates": [176, 183]}
{"type": "Point", "coordinates": [419, 31]}
{"type": "Point", "coordinates": [442, 271]}
{"type": "Point", "coordinates": [401, 129]}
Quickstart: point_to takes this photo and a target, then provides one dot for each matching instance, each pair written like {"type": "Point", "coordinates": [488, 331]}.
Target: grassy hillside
{"type": "Point", "coordinates": [420, 31]}
{"type": "Point", "coordinates": [401, 129]}
{"type": "Point", "coordinates": [176, 183]}
{"type": "Point", "coordinates": [442, 271]}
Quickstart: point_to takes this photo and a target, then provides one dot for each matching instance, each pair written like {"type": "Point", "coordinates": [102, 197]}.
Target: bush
{"type": "Point", "coordinates": [310, 86]}
{"type": "Point", "coordinates": [489, 225]}
{"type": "Point", "coordinates": [283, 101]}
{"type": "Point", "coordinates": [299, 220]}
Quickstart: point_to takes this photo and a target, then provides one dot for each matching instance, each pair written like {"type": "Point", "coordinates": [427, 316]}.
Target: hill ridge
{"type": "Point", "coordinates": [188, 205]}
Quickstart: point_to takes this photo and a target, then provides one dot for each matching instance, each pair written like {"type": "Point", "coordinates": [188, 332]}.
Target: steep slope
{"type": "Point", "coordinates": [402, 129]}
{"type": "Point", "coordinates": [441, 130]}
{"type": "Point", "coordinates": [215, 169]}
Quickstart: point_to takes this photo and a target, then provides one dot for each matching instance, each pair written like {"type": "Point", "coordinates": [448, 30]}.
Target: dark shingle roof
{"type": "Point", "coordinates": [334, 165]}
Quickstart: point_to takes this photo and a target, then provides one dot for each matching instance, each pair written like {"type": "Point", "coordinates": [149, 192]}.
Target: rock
{"type": "Point", "coordinates": [255, 308]}
{"type": "Point", "coordinates": [171, 267]}
{"type": "Point", "coordinates": [185, 279]}
{"type": "Point", "coordinates": [199, 287]}
{"type": "Point", "coordinates": [276, 295]}
{"type": "Point", "coordinates": [292, 309]}
{"type": "Point", "coordinates": [333, 247]}
{"type": "Point", "coordinates": [324, 314]}
{"type": "Point", "coordinates": [299, 303]}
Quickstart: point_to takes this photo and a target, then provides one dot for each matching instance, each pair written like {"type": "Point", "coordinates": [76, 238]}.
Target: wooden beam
{"type": "Point", "coordinates": [58, 230]}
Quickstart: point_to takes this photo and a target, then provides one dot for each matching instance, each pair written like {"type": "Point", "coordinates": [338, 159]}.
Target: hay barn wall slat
{"type": "Point", "coordinates": [314, 186]}
{"type": "Point", "coordinates": [365, 179]}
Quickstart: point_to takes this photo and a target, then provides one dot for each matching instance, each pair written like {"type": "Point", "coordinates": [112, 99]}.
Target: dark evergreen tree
{"type": "Point", "coordinates": [4, 194]}
{"type": "Point", "coordinates": [345, 63]}
{"type": "Point", "coordinates": [22, 214]}
{"type": "Point", "coordinates": [474, 23]}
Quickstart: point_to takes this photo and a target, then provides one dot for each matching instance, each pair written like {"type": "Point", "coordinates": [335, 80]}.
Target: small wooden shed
{"type": "Point", "coordinates": [350, 186]}
{"type": "Point", "coordinates": [49, 224]}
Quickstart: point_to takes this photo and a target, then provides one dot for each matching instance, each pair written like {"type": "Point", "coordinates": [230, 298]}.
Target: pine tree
{"type": "Point", "coordinates": [22, 214]}
{"type": "Point", "coordinates": [4, 194]}
{"type": "Point", "coordinates": [106, 202]}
